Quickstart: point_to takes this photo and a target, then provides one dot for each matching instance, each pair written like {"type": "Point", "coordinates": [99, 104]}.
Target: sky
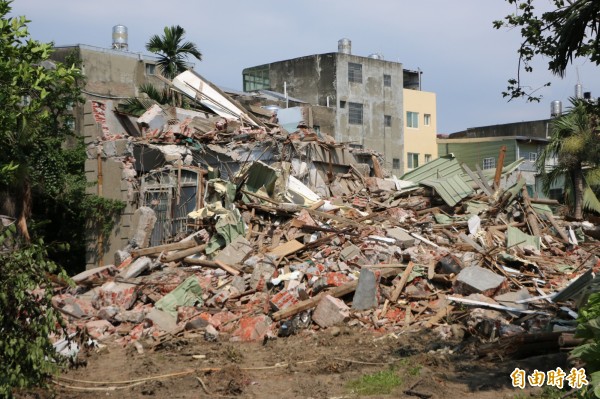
{"type": "Point", "coordinates": [464, 60]}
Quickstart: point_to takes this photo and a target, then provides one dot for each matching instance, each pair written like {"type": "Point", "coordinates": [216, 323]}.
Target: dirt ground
{"type": "Point", "coordinates": [319, 364]}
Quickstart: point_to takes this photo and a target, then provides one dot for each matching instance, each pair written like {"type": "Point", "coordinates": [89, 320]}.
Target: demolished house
{"type": "Point", "coordinates": [236, 227]}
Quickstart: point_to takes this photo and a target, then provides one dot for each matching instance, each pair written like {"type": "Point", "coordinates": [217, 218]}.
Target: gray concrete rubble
{"type": "Point", "coordinates": [475, 279]}
{"type": "Point", "coordinates": [240, 230]}
{"type": "Point", "coordinates": [142, 225]}
{"type": "Point", "coordinates": [365, 296]}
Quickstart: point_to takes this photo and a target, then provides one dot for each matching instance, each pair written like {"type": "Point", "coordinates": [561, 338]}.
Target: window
{"type": "Point", "coordinates": [533, 156]}
{"type": "Point", "coordinates": [355, 113]}
{"type": "Point", "coordinates": [556, 193]}
{"type": "Point", "coordinates": [387, 120]}
{"type": "Point", "coordinates": [489, 163]}
{"type": "Point", "coordinates": [387, 80]}
{"type": "Point", "coordinates": [427, 158]}
{"type": "Point", "coordinates": [427, 119]}
{"type": "Point", "coordinates": [342, 104]}
{"type": "Point", "coordinates": [150, 69]}
{"type": "Point", "coordinates": [256, 78]}
{"type": "Point", "coordinates": [354, 72]}
{"type": "Point", "coordinates": [413, 160]}
{"type": "Point", "coordinates": [412, 119]}
{"type": "Point", "coordinates": [395, 163]}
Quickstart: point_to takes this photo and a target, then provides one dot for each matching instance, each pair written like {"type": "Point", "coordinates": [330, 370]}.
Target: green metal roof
{"type": "Point", "coordinates": [443, 166]}
{"type": "Point", "coordinates": [446, 166]}
{"type": "Point", "coordinates": [452, 189]}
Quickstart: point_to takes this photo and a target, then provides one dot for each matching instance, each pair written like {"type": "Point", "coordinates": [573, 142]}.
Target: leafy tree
{"type": "Point", "coordinates": [575, 145]}
{"type": "Point", "coordinates": [172, 53]}
{"type": "Point", "coordinates": [37, 96]}
{"type": "Point", "coordinates": [568, 31]}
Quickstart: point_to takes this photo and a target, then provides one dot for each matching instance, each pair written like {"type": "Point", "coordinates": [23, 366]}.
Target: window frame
{"type": "Point", "coordinates": [427, 158]}
{"type": "Point", "coordinates": [387, 120]}
{"type": "Point", "coordinates": [488, 163]}
{"type": "Point", "coordinates": [150, 69]}
{"type": "Point", "coordinates": [426, 119]}
{"type": "Point", "coordinates": [354, 72]}
{"type": "Point", "coordinates": [354, 118]}
{"type": "Point", "coordinates": [532, 156]}
{"type": "Point", "coordinates": [412, 119]}
{"type": "Point", "coordinates": [387, 80]}
{"type": "Point", "coordinates": [411, 157]}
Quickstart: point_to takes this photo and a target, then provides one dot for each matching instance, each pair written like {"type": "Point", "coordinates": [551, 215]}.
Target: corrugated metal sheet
{"type": "Point", "coordinates": [515, 237]}
{"type": "Point", "coordinates": [447, 166]}
{"type": "Point", "coordinates": [452, 189]}
{"type": "Point", "coordinates": [442, 167]}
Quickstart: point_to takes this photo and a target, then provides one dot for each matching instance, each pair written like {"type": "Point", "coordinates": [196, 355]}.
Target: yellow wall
{"type": "Point", "coordinates": [421, 140]}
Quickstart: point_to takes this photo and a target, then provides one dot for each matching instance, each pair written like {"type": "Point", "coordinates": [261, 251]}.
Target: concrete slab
{"type": "Point", "coordinates": [235, 252]}
{"type": "Point", "coordinates": [477, 280]}
{"type": "Point", "coordinates": [365, 296]}
{"type": "Point", "coordinates": [330, 311]}
{"type": "Point", "coordinates": [163, 320]}
{"type": "Point", "coordinates": [402, 238]}
{"type": "Point", "coordinates": [136, 268]}
{"type": "Point", "coordinates": [510, 299]}
{"type": "Point", "coordinates": [142, 225]}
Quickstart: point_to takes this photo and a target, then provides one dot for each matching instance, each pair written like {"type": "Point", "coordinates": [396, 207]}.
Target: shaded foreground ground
{"type": "Point", "coordinates": [327, 364]}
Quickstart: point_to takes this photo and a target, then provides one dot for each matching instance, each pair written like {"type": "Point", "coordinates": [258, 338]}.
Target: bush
{"type": "Point", "coordinates": [589, 328]}
{"type": "Point", "coordinates": [27, 318]}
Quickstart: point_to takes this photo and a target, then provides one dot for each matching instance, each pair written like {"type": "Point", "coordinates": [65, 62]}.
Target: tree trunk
{"type": "Point", "coordinates": [578, 188]}
{"type": "Point", "coordinates": [24, 211]}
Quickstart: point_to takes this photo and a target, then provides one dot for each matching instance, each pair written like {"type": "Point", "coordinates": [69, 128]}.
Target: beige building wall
{"type": "Point", "coordinates": [420, 130]}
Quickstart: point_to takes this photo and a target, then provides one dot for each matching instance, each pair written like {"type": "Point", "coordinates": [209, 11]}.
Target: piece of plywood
{"type": "Point", "coordinates": [286, 249]}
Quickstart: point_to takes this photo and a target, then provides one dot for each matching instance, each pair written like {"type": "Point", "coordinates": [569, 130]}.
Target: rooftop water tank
{"type": "Point", "coordinates": [119, 38]}
{"type": "Point", "coordinates": [376, 56]}
{"type": "Point", "coordinates": [578, 90]}
{"type": "Point", "coordinates": [345, 46]}
{"type": "Point", "coordinates": [555, 108]}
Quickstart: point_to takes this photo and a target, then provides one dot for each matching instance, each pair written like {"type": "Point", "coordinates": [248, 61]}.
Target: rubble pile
{"type": "Point", "coordinates": [288, 233]}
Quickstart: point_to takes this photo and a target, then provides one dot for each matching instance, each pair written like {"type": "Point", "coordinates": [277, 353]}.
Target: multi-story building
{"type": "Point", "coordinates": [111, 75]}
{"type": "Point", "coordinates": [378, 104]}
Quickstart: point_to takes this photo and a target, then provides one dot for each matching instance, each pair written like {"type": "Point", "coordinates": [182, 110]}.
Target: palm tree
{"type": "Point", "coordinates": [171, 52]}
{"type": "Point", "coordinates": [138, 105]}
{"type": "Point", "coordinates": [575, 145]}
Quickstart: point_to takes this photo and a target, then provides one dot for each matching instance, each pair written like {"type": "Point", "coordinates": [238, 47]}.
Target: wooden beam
{"type": "Point", "coordinates": [545, 201]}
{"type": "Point", "coordinates": [184, 253]}
{"type": "Point", "coordinates": [531, 216]}
{"type": "Point", "coordinates": [216, 264]}
{"type": "Point", "coordinates": [376, 167]}
{"type": "Point", "coordinates": [163, 248]}
{"type": "Point", "coordinates": [499, 167]}
{"type": "Point", "coordinates": [558, 229]}
{"type": "Point", "coordinates": [402, 283]}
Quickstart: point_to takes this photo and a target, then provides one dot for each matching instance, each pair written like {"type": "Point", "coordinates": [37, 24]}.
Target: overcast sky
{"type": "Point", "coordinates": [463, 59]}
